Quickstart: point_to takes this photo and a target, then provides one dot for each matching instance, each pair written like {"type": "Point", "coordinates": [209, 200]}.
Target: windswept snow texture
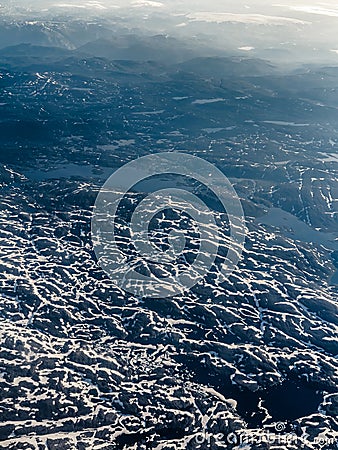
{"type": "Point", "coordinates": [85, 365]}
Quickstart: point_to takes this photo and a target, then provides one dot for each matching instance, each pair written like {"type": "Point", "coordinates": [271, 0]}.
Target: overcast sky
{"type": "Point", "coordinates": [329, 7]}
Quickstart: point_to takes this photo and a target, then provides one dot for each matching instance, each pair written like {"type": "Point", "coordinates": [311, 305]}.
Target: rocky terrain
{"type": "Point", "coordinates": [85, 365]}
